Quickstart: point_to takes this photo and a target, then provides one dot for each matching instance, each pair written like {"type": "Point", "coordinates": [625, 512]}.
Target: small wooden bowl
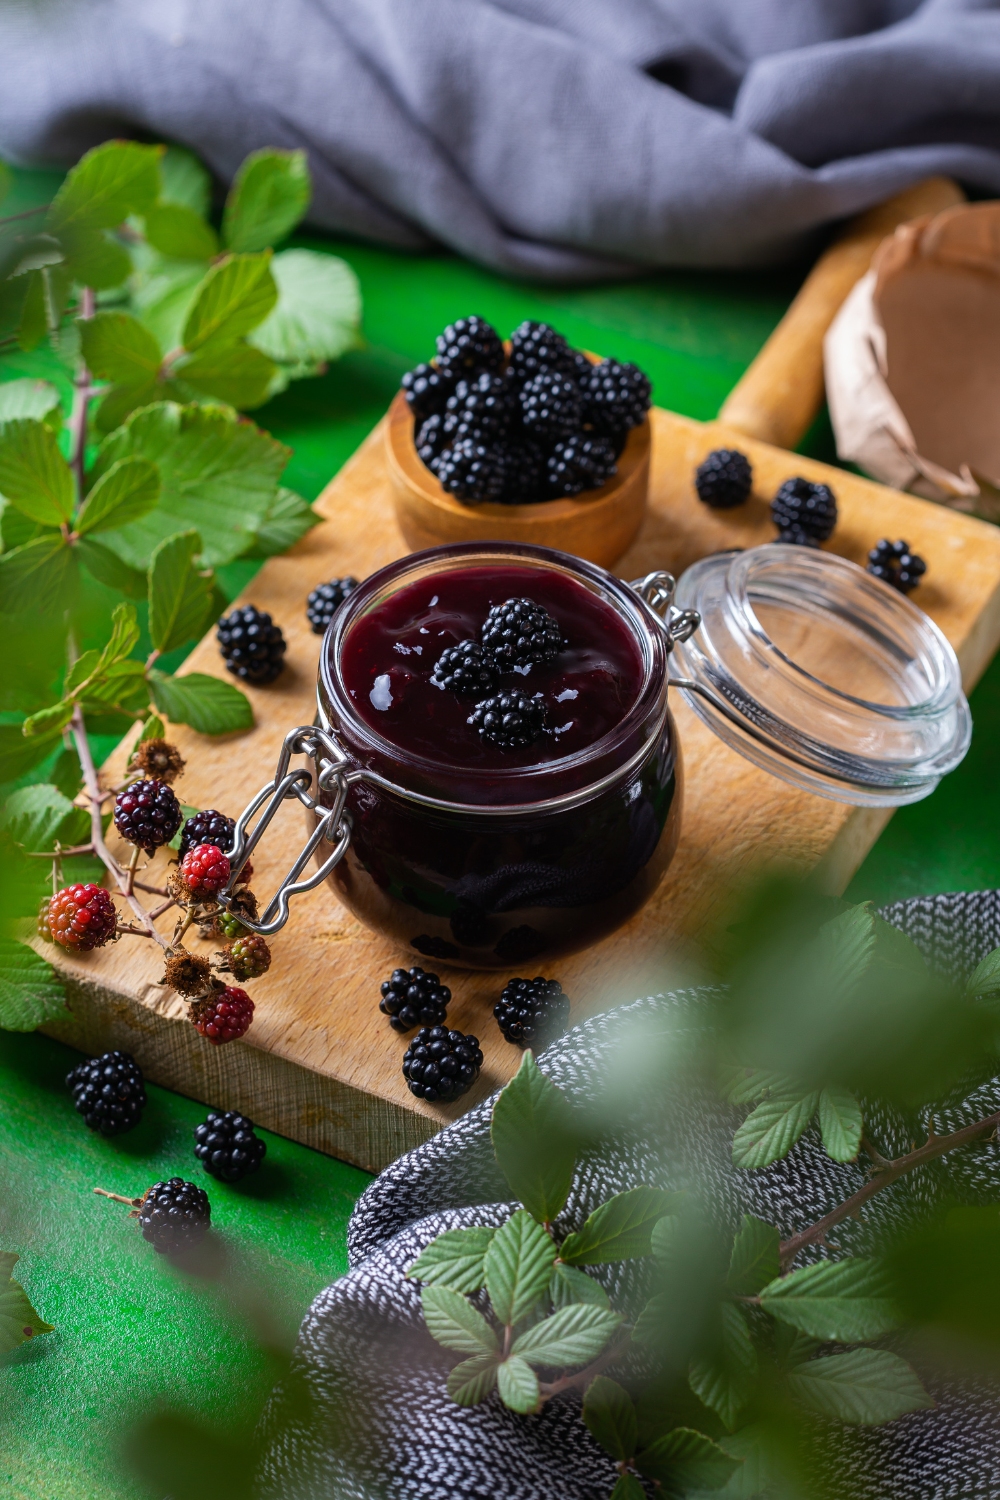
{"type": "Point", "coordinates": [598, 525]}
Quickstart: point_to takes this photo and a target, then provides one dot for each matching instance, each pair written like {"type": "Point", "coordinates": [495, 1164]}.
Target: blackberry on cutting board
{"type": "Point", "coordinates": [510, 720]}
{"type": "Point", "coordinates": [325, 600]}
{"type": "Point", "coordinates": [208, 827]}
{"type": "Point", "coordinates": [411, 997]}
{"type": "Point", "coordinates": [427, 389]}
{"type": "Point", "coordinates": [724, 479]}
{"type": "Point", "coordinates": [551, 404]}
{"type": "Point", "coordinates": [481, 408]}
{"type": "Point", "coordinates": [464, 668]}
{"type": "Point", "coordinates": [109, 1092]}
{"type": "Point", "coordinates": [468, 345]}
{"type": "Point", "coordinates": [147, 813]}
{"type": "Point", "coordinates": [804, 513]}
{"type": "Point", "coordinates": [520, 632]}
{"type": "Point", "coordinates": [227, 1147]}
{"type": "Point", "coordinates": [252, 646]}
{"type": "Point", "coordinates": [440, 1065]}
{"type": "Point", "coordinates": [537, 346]}
{"type": "Point", "coordinates": [223, 1015]}
{"type": "Point", "coordinates": [583, 461]}
{"type": "Point", "coordinates": [896, 565]}
{"type": "Point", "coordinates": [618, 397]}
{"type": "Point", "coordinates": [248, 957]}
{"type": "Point", "coordinates": [174, 1215]}
{"type": "Point", "coordinates": [532, 1012]}
{"type": "Point", "coordinates": [471, 472]}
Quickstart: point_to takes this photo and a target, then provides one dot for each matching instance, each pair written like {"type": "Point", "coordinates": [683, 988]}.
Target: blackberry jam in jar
{"type": "Point", "coordinates": [465, 847]}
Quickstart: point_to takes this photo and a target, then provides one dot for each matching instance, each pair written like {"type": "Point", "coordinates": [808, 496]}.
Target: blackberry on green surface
{"type": "Point", "coordinates": [324, 601]}
{"type": "Point", "coordinates": [441, 1065]}
{"type": "Point", "coordinates": [896, 565]}
{"type": "Point", "coordinates": [532, 1012]}
{"type": "Point", "coordinates": [227, 1147]}
{"type": "Point", "coordinates": [551, 404]}
{"type": "Point", "coordinates": [724, 479]}
{"type": "Point", "coordinates": [520, 632]}
{"type": "Point", "coordinates": [481, 407]}
{"type": "Point", "coordinates": [471, 472]}
{"type": "Point", "coordinates": [411, 997]}
{"type": "Point", "coordinates": [804, 513]}
{"type": "Point", "coordinates": [208, 827]}
{"type": "Point", "coordinates": [427, 389]}
{"type": "Point", "coordinates": [464, 668]}
{"type": "Point", "coordinates": [618, 396]}
{"type": "Point", "coordinates": [510, 720]}
{"type": "Point", "coordinates": [583, 461]}
{"type": "Point", "coordinates": [537, 346]}
{"type": "Point", "coordinates": [148, 814]}
{"type": "Point", "coordinates": [252, 646]}
{"type": "Point", "coordinates": [109, 1092]}
{"type": "Point", "coordinates": [524, 477]}
{"type": "Point", "coordinates": [174, 1215]}
{"type": "Point", "coordinates": [468, 345]}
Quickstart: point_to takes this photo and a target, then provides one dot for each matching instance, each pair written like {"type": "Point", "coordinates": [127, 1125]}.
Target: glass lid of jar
{"type": "Point", "coordinates": [821, 674]}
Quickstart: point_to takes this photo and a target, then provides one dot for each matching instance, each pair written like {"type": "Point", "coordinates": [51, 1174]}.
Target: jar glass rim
{"type": "Point", "coordinates": [644, 625]}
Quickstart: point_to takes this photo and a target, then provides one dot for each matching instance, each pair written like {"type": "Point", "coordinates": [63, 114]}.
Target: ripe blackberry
{"type": "Point", "coordinates": [223, 1015]}
{"type": "Point", "coordinates": [208, 827]}
{"type": "Point", "coordinates": [537, 346]}
{"type": "Point", "coordinates": [468, 345]}
{"type": "Point", "coordinates": [205, 870]}
{"type": "Point", "coordinates": [157, 758]}
{"type": "Point", "coordinates": [248, 957]}
{"type": "Point", "coordinates": [81, 917]}
{"type": "Point", "coordinates": [581, 462]}
{"type": "Point", "coordinates": [618, 396]}
{"type": "Point", "coordinates": [471, 472]}
{"type": "Point", "coordinates": [108, 1092]}
{"type": "Point", "coordinates": [551, 404]}
{"type": "Point", "coordinates": [430, 438]}
{"type": "Point", "coordinates": [174, 1215]}
{"type": "Point", "coordinates": [252, 646]}
{"type": "Point", "coordinates": [519, 632]}
{"type": "Point", "coordinates": [227, 1147]}
{"type": "Point", "coordinates": [509, 720]}
{"type": "Point", "coordinates": [464, 668]}
{"type": "Point", "coordinates": [324, 601]}
{"type": "Point", "coordinates": [481, 408]}
{"type": "Point", "coordinates": [440, 1064]}
{"type": "Point", "coordinates": [532, 1012]}
{"type": "Point", "coordinates": [524, 479]}
{"type": "Point", "coordinates": [724, 479]}
{"type": "Point", "coordinates": [427, 389]}
{"type": "Point", "coordinates": [412, 998]}
{"type": "Point", "coordinates": [804, 513]}
{"type": "Point", "coordinates": [896, 565]}
{"type": "Point", "coordinates": [148, 814]}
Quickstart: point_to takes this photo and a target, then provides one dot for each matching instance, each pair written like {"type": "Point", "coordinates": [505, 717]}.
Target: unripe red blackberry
{"type": "Point", "coordinates": [223, 1016]}
{"type": "Point", "coordinates": [148, 814]}
{"type": "Point", "coordinates": [42, 924]}
{"type": "Point", "coordinates": [249, 957]}
{"type": "Point", "coordinates": [81, 917]}
{"type": "Point", "coordinates": [205, 870]}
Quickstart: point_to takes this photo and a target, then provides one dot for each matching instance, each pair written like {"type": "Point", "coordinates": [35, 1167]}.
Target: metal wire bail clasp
{"type": "Point", "coordinates": [657, 590]}
{"type": "Point", "coordinates": [332, 823]}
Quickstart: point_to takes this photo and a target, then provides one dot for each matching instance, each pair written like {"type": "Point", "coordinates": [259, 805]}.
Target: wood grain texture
{"type": "Point", "coordinates": [319, 1063]}
{"type": "Point", "coordinates": [782, 390]}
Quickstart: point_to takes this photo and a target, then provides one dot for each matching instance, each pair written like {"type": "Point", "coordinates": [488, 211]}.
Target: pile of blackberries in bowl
{"type": "Point", "coordinates": [514, 428]}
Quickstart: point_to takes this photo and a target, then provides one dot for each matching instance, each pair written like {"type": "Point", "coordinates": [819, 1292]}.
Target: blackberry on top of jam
{"type": "Point", "coordinates": [390, 652]}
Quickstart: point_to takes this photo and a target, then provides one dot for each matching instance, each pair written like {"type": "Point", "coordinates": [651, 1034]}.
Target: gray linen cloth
{"type": "Point", "coordinates": [368, 1379]}
{"type": "Point", "coordinates": [556, 139]}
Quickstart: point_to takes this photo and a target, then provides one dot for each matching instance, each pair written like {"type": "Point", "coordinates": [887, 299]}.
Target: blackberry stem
{"type": "Point", "coordinates": [154, 890]}
{"type": "Point", "coordinates": [130, 872]}
{"type": "Point", "coordinates": [81, 400]}
{"type": "Point", "coordinates": [123, 927]}
{"type": "Point", "coordinates": [582, 1378]}
{"type": "Point", "coordinates": [117, 1197]}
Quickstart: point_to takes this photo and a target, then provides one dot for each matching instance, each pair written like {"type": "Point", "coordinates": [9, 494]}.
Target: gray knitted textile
{"type": "Point", "coordinates": [365, 1365]}
{"type": "Point", "coordinates": [559, 139]}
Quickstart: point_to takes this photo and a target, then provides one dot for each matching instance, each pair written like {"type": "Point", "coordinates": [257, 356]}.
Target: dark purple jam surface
{"type": "Point", "coordinates": [388, 656]}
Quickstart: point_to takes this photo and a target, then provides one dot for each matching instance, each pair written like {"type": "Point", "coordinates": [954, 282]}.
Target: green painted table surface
{"type": "Point", "coordinates": [131, 1332]}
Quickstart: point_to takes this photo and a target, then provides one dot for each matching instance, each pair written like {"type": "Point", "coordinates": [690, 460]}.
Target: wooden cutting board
{"type": "Point", "coordinates": [320, 1063]}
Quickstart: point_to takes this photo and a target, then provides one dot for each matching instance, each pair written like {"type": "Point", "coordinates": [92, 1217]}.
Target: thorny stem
{"type": "Point", "coordinates": [582, 1378]}
{"type": "Point", "coordinates": [884, 1176]}
{"type": "Point", "coordinates": [81, 396]}
{"type": "Point", "coordinates": [163, 907]}
{"type": "Point", "coordinates": [91, 782]}
{"type": "Point", "coordinates": [154, 890]}
{"type": "Point", "coordinates": [58, 853]}
{"type": "Point", "coordinates": [122, 927]}
{"type": "Point", "coordinates": [130, 872]}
